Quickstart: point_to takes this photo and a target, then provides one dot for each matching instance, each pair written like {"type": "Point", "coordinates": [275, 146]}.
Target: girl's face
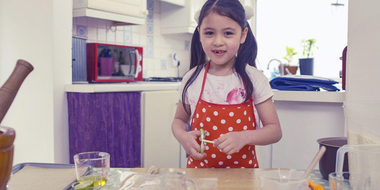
{"type": "Point", "coordinates": [221, 37]}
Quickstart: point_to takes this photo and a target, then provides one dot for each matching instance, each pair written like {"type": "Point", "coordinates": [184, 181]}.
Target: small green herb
{"type": "Point", "coordinates": [289, 54]}
{"type": "Point", "coordinates": [307, 46]}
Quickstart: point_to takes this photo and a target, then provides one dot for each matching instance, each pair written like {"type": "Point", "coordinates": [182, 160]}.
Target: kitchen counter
{"type": "Point", "coordinates": [309, 96]}
{"type": "Point", "coordinates": [238, 178]}
{"type": "Point", "coordinates": [224, 178]}
{"type": "Point", "coordinates": [299, 96]}
{"type": "Point", "coordinates": [122, 87]}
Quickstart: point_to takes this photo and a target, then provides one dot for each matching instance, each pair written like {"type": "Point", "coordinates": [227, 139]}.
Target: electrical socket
{"type": "Point", "coordinates": [163, 64]}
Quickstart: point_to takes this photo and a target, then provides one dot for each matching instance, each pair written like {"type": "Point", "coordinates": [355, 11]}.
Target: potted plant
{"type": "Point", "coordinates": [288, 67]}
{"type": "Point", "coordinates": [307, 64]}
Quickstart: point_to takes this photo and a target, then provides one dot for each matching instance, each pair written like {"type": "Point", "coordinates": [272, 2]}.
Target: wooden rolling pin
{"type": "Point", "coordinates": [7, 135]}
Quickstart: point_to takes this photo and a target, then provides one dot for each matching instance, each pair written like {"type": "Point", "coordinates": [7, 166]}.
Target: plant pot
{"type": "Point", "coordinates": [306, 66]}
{"type": "Point", "coordinates": [291, 69]}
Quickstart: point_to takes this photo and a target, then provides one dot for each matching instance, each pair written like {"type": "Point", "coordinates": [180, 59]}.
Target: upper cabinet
{"type": "Point", "coordinates": [175, 2]}
{"type": "Point", "coordinates": [122, 12]}
{"type": "Point", "coordinates": [179, 19]}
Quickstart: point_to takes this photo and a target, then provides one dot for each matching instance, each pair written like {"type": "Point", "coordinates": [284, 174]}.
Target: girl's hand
{"type": "Point", "coordinates": [230, 143]}
{"type": "Point", "coordinates": [191, 146]}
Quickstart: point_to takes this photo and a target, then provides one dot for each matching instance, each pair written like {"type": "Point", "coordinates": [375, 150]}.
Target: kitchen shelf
{"type": "Point", "coordinates": [121, 12]}
{"type": "Point", "coordinates": [118, 19]}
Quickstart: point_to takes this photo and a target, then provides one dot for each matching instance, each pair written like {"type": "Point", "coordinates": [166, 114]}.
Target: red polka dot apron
{"type": "Point", "coordinates": [219, 119]}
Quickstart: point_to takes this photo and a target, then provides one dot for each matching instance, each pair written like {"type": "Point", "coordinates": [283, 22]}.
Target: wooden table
{"type": "Point", "coordinates": [227, 178]}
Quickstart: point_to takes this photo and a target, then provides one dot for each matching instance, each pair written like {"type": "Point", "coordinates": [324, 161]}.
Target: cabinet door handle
{"type": "Point", "coordinates": [145, 12]}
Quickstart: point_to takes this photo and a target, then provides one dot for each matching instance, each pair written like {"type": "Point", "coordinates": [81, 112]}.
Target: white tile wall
{"type": "Point", "coordinates": [119, 37]}
{"type": "Point", "coordinates": [157, 47]}
{"type": "Point", "coordinates": [102, 35]}
{"type": "Point", "coordinates": [136, 39]}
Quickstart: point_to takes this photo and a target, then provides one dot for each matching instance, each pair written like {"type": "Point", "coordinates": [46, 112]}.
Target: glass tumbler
{"type": "Point", "coordinates": [175, 179]}
{"type": "Point", "coordinates": [283, 179]}
{"type": "Point", "coordinates": [92, 167]}
{"type": "Point", "coordinates": [349, 181]}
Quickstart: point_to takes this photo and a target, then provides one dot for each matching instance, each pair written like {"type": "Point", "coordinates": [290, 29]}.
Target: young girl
{"type": "Point", "coordinates": [226, 95]}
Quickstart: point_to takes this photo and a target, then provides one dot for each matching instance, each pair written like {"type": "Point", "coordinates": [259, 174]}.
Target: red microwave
{"type": "Point", "coordinates": [114, 63]}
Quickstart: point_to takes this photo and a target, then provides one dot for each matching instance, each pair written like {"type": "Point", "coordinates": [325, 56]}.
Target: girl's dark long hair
{"type": "Point", "coordinates": [247, 51]}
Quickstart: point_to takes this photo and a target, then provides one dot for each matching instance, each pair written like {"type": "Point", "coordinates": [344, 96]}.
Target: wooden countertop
{"type": "Point", "coordinates": [227, 178]}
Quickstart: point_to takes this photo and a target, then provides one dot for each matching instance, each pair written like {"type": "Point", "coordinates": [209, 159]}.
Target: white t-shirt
{"type": "Point", "coordinates": [226, 89]}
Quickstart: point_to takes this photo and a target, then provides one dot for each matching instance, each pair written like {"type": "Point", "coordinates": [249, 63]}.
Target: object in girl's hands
{"type": "Point", "coordinates": [202, 144]}
{"type": "Point", "coordinates": [203, 141]}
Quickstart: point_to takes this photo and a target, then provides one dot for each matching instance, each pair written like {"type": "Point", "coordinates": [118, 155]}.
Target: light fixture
{"type": "Point", "coordinates": [336, 8]}
{"type": "Point", "coordinates": [337, 4]}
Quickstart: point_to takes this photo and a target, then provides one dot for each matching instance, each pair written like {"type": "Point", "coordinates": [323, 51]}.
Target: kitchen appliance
{"type": "Point", "coordinates": [114, 63]}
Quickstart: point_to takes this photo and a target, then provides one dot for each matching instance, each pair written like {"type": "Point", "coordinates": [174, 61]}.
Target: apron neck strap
{"type": "Point", "coordinates": [204, 81]}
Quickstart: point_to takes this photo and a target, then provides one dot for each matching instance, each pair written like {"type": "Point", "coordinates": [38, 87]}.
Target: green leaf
{"type": "Point", "coordinates": [289, 54]}
{"type": "Point", "coordinates": [307, 45]}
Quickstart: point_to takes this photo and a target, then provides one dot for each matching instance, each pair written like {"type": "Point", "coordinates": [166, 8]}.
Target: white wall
{"type": "Point", "coordinates": [62, 23]}
{"type": "Point", "coordinates": [363, 57]}
{"type": "Point", "coordinates": [39, 32]}
{"type": "Point", "coordinates": [363, 70]}
{"type": "Point", "coordinates": [285, 23]}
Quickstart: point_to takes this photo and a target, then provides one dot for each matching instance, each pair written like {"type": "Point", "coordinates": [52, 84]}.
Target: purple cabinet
{"type": "Point", "coordinates": [109, 122]}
